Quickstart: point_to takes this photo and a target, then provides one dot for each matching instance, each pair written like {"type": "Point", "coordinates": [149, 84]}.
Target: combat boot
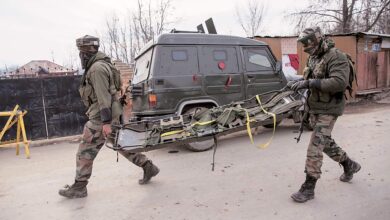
{"type": "Point", "coordinates": [307, 190]}
{"type": "Point", "coordinates": [77, 190]}
{"type": "Point", "coordinates": [350, 167]}
{"type": "Point", "coordinates": [150, 170]}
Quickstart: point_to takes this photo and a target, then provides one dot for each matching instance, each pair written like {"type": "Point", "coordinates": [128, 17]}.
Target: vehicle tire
{"type": "Point", "coordinates": [201, 145]}
{"type": "Point", "coordinates": [272, 125]}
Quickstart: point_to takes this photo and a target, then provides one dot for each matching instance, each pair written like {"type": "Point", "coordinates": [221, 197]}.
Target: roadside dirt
{"type": "Point", "coordinates": [247, 183]}
{"type": "Point", "coordinates": [365, 106]}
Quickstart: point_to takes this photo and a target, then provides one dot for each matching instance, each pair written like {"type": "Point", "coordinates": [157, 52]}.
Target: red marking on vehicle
{"type": "Point", "coordinates": [228, 82]}
{"type": "Point", "coordinates": [221, 65]}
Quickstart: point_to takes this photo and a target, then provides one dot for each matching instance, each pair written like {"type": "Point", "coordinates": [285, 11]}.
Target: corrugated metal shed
{"type": "Point", "coordinates": [369, 51]}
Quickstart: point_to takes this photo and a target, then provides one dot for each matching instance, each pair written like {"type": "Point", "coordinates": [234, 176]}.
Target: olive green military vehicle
{"type": "Point", "coordinates": [179, 73]}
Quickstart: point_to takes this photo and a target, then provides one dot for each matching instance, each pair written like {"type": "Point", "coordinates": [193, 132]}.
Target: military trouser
{"type": "Point", "coordinates": [321, 141]}
{"type": "Point", "coordinates": [92, 142]}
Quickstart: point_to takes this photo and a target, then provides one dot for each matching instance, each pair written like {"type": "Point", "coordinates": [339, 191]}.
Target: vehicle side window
{"type": "Point", "coordinates": [257, 59]}
{"type": "Point", "coordinates": [179, 55]}
{"type": "Point", "coordinates": [142, 66]}
{"type": "Point", "coordinates": [178, 60]}
{"type": "Point", "coordinates": [218, 60]}
{"type": "Point", "coordinates": [219, 55]}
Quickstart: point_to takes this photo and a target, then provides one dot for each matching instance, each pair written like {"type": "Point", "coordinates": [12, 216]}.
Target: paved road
{"type": "Point", "coordinates": [248, 183]}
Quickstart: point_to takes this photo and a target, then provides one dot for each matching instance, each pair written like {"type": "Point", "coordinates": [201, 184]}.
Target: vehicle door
{"type": "Point", "coordinates": [260, 73]}
{"type": "Point", "coordinates": [176, 76]}
{"type": "Point", "coordinates": [139, 82]}
{"type": "Point", "coordinates": [222, 80]}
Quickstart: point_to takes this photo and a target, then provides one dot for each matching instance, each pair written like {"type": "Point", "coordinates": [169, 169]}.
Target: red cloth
{"type": "Point", "coordinates": [294, 61]}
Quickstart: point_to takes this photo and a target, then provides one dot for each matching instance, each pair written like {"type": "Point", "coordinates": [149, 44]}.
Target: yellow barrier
{"type": "Point", "coordinates": [20, 130]}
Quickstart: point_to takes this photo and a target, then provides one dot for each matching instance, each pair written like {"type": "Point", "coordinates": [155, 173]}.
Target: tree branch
{"type": "Point", "coordinates": [378, 16]}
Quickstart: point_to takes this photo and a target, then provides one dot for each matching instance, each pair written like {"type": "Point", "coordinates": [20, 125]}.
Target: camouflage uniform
{"type": "Point", "coordinates": [321, 141]}
{"type": "Point", "coordinates": [100, 103]}
{"type": "Point", "coordinates": [326, 103]}
{"type": "Point", "coordinates": [326, 76]}
{"type": "Point", "coordinates": [98, 90]}
{"type": "Point", "coordinates": [92, 142]}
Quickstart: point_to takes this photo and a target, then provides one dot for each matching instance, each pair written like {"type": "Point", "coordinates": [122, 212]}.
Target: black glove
{"type": "Point", "coordinates": [303, 84]}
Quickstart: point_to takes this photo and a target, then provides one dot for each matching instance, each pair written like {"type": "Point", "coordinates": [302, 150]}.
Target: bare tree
{"type": "Point", "coordinates": [72, 61]}
{"type": "Point", "coordinates": [123, 39]}
{"type": "Point", "coordinates": [112, 24]}
{"type": "Point", "coordinates": [383, 26]}
{"type": "Point", "coordinates": [251, 18]}
{"type": "Point", "coordinates": [162, 15]}
{"type": "Point", "coordinates": [341, 16]}
{"type": "Point", "coordinates": [151, 20]}
{"type": "Point", "coordinates": [137, 43]}
{"type": "Point", "coordinates": [142, 19]}
{"type": "Point", "coordinates": [124, 54]}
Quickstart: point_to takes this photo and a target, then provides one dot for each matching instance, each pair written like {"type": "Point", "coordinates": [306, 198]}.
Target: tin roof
{"type": "Point", "coordinates": [358, 34]}
{"type": "Point", "coordinates": [42, 66]}
{"type": "Point", "coordinates": [362, 34]}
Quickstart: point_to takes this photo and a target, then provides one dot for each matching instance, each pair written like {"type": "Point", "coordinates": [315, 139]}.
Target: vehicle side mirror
{"type": "Point", "coordinates": [278, 67]}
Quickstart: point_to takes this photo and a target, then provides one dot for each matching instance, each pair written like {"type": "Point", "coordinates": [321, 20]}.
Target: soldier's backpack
{"type": "Point", "coordinates": [115, 77]}
{"type": "Point", "coordinates": [352, 74]}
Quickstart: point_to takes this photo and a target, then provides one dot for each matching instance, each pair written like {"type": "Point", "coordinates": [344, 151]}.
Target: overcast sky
{"type": "Point", "coordinates": [47, 29]}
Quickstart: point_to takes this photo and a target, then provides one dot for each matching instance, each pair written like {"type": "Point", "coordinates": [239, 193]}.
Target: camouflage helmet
{"type": "Point", "coordinates": [87, 43]}
{"type": "Point", "coordinates": [311, 39]}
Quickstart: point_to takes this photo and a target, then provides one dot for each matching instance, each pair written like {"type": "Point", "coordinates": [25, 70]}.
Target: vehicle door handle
{"type": "Point", "coordinates": [159, 82]}
{"type": "Point", "coordinates": [195, 77]}
{"type": "Point", "coordinates": [250, 78]}
{"type": "Point", "coordinates": [228, 82]}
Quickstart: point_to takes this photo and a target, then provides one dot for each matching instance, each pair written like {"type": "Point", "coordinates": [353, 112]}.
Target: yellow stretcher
{"type": "Point", "coordinates": [15, 117]}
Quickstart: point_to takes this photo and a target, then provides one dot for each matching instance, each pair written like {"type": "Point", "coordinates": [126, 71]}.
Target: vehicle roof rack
{"type": "Point", "coordinates": [181, 31]}
{"type": "Point", "coordinates": [200, 30]}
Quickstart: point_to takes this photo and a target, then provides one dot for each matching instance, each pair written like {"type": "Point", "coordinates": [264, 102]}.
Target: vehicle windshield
{"type": "Point", "coordinates": [142, 66]}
